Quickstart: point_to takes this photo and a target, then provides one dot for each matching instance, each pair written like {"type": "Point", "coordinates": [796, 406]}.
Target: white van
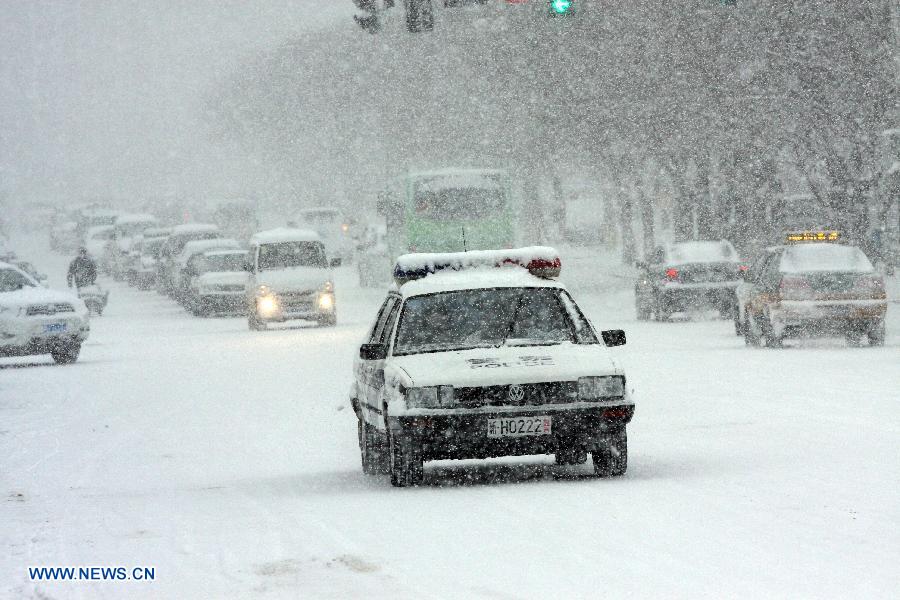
{"type": "Point", "coordinates": [290, 278]}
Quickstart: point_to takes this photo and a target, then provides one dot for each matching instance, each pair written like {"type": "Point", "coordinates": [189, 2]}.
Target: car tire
{"type": "Point", "coordinates": [567, 455]}
{"type": "Point", "coordinates": [407, 467]}
{"type": "Point", "coordinates": [255, 324]}
{"type": "Point", "coordinates": [642, 311]}
{"type": "Point", "coordinates": [370, 451]}
{"type": "Point", "coordinates": [877, 334]}
{"type": "Point", "coordinates": [610, 454]}
{"type": "Point", "coordinates": [662, 312]}
{"type": "Point", "coordinates": [65, 354]}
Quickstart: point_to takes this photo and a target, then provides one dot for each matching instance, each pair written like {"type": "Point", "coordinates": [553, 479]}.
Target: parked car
{"type": "Point", "coordinates": [220, 283]}
{"type": "Point", "coordinates": [180, 235]}
{"type": "Point", "coordinates": [688, 275]}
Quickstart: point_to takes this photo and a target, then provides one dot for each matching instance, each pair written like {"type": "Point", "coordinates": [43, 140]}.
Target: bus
{"type": "Point", "coordinates": [449, 210]}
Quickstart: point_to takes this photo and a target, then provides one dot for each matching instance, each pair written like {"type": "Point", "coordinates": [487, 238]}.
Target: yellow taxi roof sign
{"type": "Point", "coordinates": [794, 237]}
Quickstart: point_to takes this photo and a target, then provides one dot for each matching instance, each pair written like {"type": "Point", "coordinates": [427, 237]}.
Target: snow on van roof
{"type": "Point", "coordinates": [194, 228]}
{"type": "Point", "coordinates": [701, 252]}
{"type": "Point", "coordinates": [199, 246]}
{"type": "Point", "coordinates": [814, 257]}
{"type": "Point", "coordinates": [285, 234]}
{"type": "Point", "coordinates": [226, 252]}
{"type": "Point", "coordinates": [136, 218]}
{"type": "Point", "coordinates": [479, 278]}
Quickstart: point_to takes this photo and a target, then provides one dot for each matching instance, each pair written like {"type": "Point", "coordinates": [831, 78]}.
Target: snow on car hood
{"type": "Point", "coordinates": [507, 365]}
{"type": "Point", "coordinates": [40, 295]}
{"type": "Point", "coordinates": [224, 278]}
{"type": "Point", "coordinates": [298, 279]}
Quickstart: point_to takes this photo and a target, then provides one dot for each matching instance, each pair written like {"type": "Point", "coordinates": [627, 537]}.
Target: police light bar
{"type": "Point", "coordinates": [794, 237]}
{"type": "Point", "coordinates": [541, 261]}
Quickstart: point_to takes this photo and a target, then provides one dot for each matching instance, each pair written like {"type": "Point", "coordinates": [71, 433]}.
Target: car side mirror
{"type": "Point", "coordinates": [334, 262]}
{"type": "Point", "coordinates": [373, 351]}
{"type": "Point", "coordinates": [613, 337]}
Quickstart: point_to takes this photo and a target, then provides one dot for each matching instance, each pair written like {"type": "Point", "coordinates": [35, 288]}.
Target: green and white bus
{"type": "Point", "coordinates": [449, 210]}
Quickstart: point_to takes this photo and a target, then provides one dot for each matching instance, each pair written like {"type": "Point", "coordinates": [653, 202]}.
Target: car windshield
{"type": "Point", "coordinates": [12, 280]}
{"type": "Point", "coordinates": [484, 318]}
{"type": "Point", "coordinates": [283, 255]}
{"type": "Point", "coordinates": [222, 263]}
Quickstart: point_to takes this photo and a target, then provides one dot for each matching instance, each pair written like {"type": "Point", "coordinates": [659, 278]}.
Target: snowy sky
{"type": "Point", "coordinates": [103, 95]}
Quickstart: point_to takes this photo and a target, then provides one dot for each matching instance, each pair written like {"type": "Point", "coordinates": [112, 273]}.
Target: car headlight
{"type": "Point", "coordinates": [267, 306]}
{"type": "Point", "coordinates": [597, 388]}
{"type": "Point", "coordinates": [430, 397]}
{"type": "Point", "coordinates": [326, 301]}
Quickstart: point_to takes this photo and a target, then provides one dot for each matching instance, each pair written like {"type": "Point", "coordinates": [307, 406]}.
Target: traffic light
{"type": "Point", "coordinates": [561, 8]}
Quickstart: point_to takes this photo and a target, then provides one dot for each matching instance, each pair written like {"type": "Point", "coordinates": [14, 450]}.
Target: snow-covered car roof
{"type": "Point", "coordinates": [807, 258]}
{"type": "Point", "coordinates": [285, 234]}
{"type": "Point", "coordinates": [136, 218]}
{"type": "Point", "coordinates": [508, 276]}
{"type": "Point", "coordinates": [153, 232]}
{"type": "Point", "coordinates": [193, 228]}
{"type": "Point", "coordinates": [200, 246]}
{"type": "Point", "coordinates": [701, 252]}
{"type": "Point", "coordinates": [226, 252]}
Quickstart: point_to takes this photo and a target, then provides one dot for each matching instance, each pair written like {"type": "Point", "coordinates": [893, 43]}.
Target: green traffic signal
{"type": "Point", "coordinates": [561, 8]}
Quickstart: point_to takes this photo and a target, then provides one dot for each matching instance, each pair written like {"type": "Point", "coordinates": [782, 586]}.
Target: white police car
{"type": "Point", "coordinates": [35, 320]}
{"type": "Point", "coordinates": [485, 354]}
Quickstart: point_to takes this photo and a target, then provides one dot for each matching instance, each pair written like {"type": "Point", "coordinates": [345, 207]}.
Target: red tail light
{"type": "Point", "coordinates": [743, 268]}
{"type": "Point", "coordinates": [672, 274]}
{"type": "Point", "coordinates": [795, 288]}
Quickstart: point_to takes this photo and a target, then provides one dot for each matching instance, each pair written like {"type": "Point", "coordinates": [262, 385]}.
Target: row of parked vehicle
{"type": "Point", "coordinates": [278, 275]}
{"type": "Point", "coordinates": [811, 285]}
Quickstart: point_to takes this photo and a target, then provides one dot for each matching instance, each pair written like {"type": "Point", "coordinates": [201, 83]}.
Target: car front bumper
{"type": "Point", "coordinates": [465, 435]}
{"type": "Point", "coordinates": [27, 336]}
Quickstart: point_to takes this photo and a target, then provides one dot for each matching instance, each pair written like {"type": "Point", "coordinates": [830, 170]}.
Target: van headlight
{"type": "Point", "coordinates": [440, 396]}
{"type": "Point", "coordinates": [597, 388]}
{"type": "Point", "coordinates": [326, 302]}
{"type": "Point", "coordinates": [267, 306]}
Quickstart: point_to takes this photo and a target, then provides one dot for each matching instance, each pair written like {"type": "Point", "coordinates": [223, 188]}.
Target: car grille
{"type": "Point", "coordinates": [707, 273]}
{"type": "Point", "coordinates": [533, 394]}
{"type": "Point", "coordinates": [297, 300]}
{"type": "Point", "coordinates": [49, 309]}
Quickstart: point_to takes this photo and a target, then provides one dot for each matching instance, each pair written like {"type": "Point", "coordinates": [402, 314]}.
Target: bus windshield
{"type": "Point", "coordinates": [458, 203]}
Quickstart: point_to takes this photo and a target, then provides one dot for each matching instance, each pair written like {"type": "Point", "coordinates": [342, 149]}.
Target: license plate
{"type": "Point", "coordinates": [54, 327]}
{"type": "Point", "coordinates": [519, 426]}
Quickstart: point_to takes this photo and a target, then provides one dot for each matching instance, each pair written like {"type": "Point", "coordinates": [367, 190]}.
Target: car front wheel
{"type": "Point", "coordinates": [407, 464]}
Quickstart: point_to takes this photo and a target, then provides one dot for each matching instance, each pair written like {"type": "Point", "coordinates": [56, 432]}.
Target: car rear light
{"type": "Point", "coordinates": [795, 288]}
{"type": "Point", "coordinates": [672, 274]}
{"type": "Point", "coordinates": [871, 286]}
{"type": "Point", "coordinates": [743, 268]}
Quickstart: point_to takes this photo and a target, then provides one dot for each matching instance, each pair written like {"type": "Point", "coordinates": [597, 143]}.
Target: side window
{"type": "Point", "coordinates": [383, 314]}
{"type": "Point", "coordinates": [389, 324]}
{"type": "Point", "coordinates": [584, 333]}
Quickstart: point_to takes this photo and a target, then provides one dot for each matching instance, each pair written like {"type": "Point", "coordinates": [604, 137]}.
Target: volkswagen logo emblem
{"type": "Point", "coordinates": [516, 393]}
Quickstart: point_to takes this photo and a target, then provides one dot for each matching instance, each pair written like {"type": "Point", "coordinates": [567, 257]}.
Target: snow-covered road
{"type": "Point", "coordinates": [218, 457]}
